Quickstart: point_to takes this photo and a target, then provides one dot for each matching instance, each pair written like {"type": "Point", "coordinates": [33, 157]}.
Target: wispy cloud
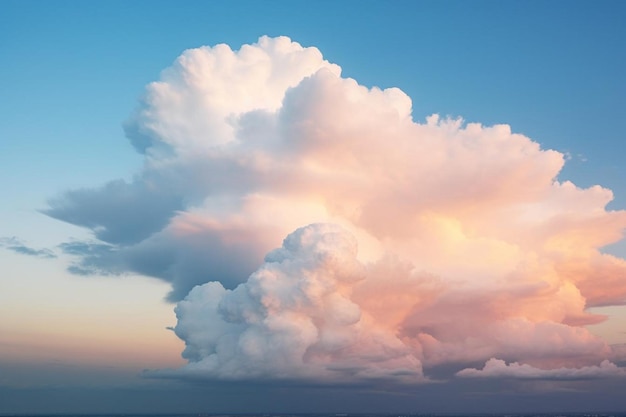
{"type": "Point", "coordinates": [93, 258]}
{"type": "Point", "coordinates": [16, 245]}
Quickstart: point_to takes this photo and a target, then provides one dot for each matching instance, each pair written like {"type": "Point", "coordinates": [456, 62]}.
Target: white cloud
{"type": "Point", "coordinates": [472, 249]}
{"type": "Point", "coordinates": [497, 368]}
{"type": "Point", "coordinates": [293, 318]}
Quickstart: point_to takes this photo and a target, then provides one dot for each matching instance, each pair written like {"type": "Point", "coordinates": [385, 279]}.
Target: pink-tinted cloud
{"type": "Point", "coordinates": [470, 245]}
{"type": "Point", "coordinates": [293, 318]}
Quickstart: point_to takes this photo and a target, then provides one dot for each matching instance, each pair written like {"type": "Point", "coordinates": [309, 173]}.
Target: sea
{"type": "Point", "coordinates": [568, 414]}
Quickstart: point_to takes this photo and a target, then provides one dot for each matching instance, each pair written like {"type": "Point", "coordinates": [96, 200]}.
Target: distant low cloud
{"type": "Point", "coordinates": [470, 247]}
{"type": "Point", "coordinates": [496, 368]}
{"type": "Point", "coordinates": [17, 246]}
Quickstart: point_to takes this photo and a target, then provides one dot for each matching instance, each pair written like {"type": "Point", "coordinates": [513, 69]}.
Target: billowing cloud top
{"type": "Point", "coordinates": [469, 247]}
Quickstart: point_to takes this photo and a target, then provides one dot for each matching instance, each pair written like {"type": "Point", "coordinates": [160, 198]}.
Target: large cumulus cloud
{"type": "Point", "coordinates": [471, 248]}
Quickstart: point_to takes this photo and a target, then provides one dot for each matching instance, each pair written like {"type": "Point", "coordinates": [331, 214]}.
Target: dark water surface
{"type": "Point", "coordinates": [567, 414]}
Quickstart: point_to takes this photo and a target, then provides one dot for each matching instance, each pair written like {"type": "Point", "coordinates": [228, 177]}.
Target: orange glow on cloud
{"type": "Point", "coordinates": [409, 244]}
{"type": "Point", "coordinates": [473, 248]}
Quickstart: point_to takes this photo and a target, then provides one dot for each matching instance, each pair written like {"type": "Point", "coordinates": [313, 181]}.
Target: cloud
{"type": "Point", "coordinates": [119, 212]}
{"type": "Point", "coordinates": [471, 246]}
{"type": "Point", "coordinates": [496, 368]}
{"type": "Point", "coordinates": [293, 318]}
{"type": "Point", "coordinates": [95, 258]}
{"type": "Point", "coordinates": [17, 246]}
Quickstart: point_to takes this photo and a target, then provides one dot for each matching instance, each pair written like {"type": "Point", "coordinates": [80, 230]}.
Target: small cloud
{"type": "Point", "coordinates": [94, 258]}
{"type": "Point", "coordinates": [16, 245]}
{"type": "Point", "coordinates": [497, 368]}
{"type": "Point", "coordinates": [579, 157]}
{"type": "Point", "coordinates": [84, 248]}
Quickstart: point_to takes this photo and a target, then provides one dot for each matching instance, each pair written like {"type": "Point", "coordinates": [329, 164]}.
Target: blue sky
{"type": "Point", "coordinates": [74, 73]}
{"type": "Point", "coordinates": [551, 71]}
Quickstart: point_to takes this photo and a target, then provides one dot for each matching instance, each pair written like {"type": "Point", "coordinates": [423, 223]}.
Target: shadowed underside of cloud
{"type": "Point", "coordinates": [469, 247]}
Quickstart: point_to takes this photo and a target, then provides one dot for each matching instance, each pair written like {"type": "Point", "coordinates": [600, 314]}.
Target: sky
{"type": "Point", "coordinates": [312, 206]}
